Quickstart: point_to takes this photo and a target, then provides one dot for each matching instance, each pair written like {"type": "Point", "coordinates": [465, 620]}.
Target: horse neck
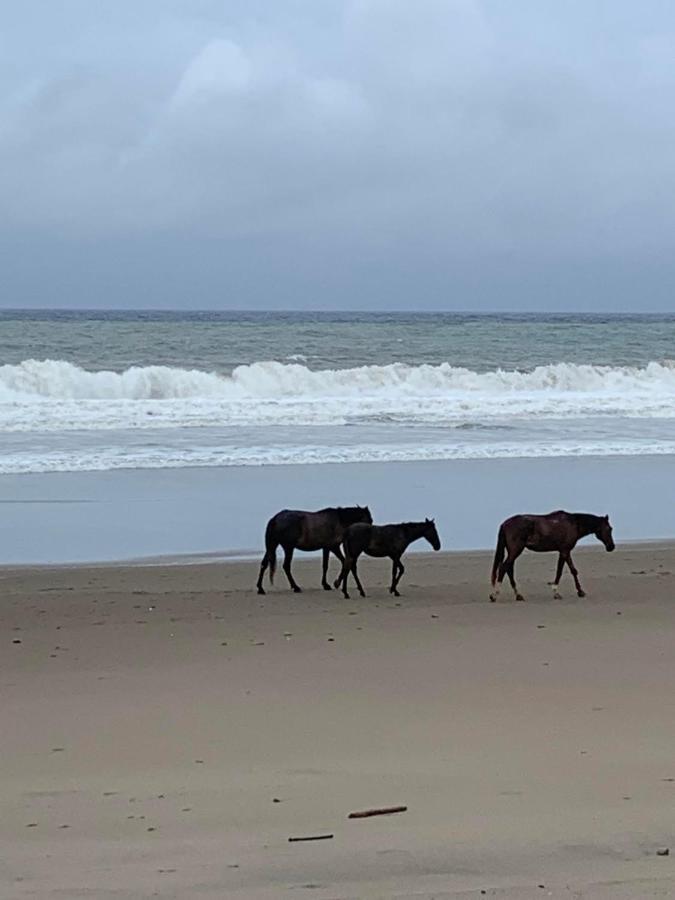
{"type": "Point", "coordinates": [586, 523]}
{"type": "Point", "coordinates": [413, 531]}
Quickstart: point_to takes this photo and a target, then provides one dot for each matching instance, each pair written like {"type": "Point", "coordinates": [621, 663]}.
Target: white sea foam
{"type": "Point", "coordinates": [54, 395]}
{"type": "Point", "coordinates": [107, 458]}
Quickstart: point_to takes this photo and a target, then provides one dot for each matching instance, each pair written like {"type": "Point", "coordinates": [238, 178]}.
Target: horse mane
{"type": "Point", "coordinates": [587, 521]}
{"type": "Point", "coordinates": [346, 513]}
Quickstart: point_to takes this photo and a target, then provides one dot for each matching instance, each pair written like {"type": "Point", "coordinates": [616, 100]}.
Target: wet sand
{"type": "Point", "coordinates": [165, 731]}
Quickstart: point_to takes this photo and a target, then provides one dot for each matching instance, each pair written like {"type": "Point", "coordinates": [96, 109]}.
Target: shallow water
{"type": "Point", "coordinates": [76, 517]}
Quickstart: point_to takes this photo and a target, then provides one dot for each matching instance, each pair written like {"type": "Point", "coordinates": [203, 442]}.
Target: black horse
{"type": "Point", "coordinates": [558, 531]}
{"type": "Point", "coordinates": [383, 540]}
{"type": "Point", "coordinates": [297, 529]}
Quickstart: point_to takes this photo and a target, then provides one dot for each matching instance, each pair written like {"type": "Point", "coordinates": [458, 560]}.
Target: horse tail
{"type": "Point", "coordinates": [499, 553]}
{"type": "Point", "coordinates": [271, 549]}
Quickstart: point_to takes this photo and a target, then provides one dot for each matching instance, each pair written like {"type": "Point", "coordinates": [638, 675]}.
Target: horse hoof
{"type": "Point", "coordinates": [557, 595]}
{"type": "Point", "coordinates": [261, 591]}
{"type": "Point", "coordinates": [396, 594]}
{"type": "Point", "coordinates": [346, 596]}
{"type": "Point", "coordinates": [363, 593]}
{"type": "Point", "coordinates": [297, 590]}
{"type": "Point", "coordinates": [336, 583]}
{"type": "Point", "coordinates": [581, 593]}
{"type": "Point", "coordinates": [520, 598]}
{"type": "Point", "coordinates": [326, 587]}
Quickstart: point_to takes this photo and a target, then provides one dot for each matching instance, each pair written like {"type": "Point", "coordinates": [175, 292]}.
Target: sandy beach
{"type": "Point", "coordinates": [166, 731]}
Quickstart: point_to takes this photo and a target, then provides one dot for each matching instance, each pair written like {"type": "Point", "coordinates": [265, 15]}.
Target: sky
{"type": "Point", "coordinates": [316, 154]}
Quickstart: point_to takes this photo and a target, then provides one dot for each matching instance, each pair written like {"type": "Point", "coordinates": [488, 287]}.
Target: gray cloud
{"type": "Point", "coordinates": [477, 153]}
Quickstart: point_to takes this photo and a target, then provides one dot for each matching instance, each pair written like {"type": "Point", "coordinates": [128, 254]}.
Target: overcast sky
{"type": "Point", "coordinates": [450, 154]}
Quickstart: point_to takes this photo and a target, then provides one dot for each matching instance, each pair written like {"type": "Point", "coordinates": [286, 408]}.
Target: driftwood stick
{"type": "Point", "coordinates": [384, 811]}
{"type": "Point", "coordinates": [311, 837]}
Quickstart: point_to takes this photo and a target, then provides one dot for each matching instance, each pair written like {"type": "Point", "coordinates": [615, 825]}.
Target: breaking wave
{"type": "Point", "coordinates": [57, 395]}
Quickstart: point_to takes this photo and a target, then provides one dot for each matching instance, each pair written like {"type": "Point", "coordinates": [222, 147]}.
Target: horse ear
{"type": "Point", "coordinates": [607, 518]}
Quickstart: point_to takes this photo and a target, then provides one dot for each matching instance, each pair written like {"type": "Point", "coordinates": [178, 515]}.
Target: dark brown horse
{"type": "Point", "coordinates": [296, 529]}
{"type": "Point", "coordinates": [558, 531]}
{"type": "Point", "coordinates": [383, 540]}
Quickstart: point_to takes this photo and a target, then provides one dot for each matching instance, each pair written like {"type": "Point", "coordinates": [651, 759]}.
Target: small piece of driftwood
{"type": "Point", "coordinates": [311, 837]}
{"type": "Point", "coordinates": [385, 811]}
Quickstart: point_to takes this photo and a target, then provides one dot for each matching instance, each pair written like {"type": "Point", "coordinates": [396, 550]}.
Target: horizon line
{"type": "Point", "coordinates": [266, 311]}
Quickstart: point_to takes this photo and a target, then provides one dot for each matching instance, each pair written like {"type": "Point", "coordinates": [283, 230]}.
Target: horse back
{"type": "Point", "coordinates": [374, 540]}
{"type": "Point", "coordinates": [552, 531]}
{"type": "Point", "coordinates": [308, 530]}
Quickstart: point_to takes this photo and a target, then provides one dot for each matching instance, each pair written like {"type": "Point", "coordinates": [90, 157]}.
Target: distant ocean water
{"type": "Point", "coordinates": [85, 391]}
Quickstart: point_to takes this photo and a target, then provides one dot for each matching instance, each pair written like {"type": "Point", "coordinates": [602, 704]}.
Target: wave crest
{"type": "Point", "coordinates": [52, 395]}
{"type": "Point", "coordinates": [59, 379]}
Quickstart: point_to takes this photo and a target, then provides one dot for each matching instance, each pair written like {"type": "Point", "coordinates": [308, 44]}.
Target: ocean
{"type": "Point", "coordinates": [100, 391]}
{"type": "Point", "coordinates": [134, 435]}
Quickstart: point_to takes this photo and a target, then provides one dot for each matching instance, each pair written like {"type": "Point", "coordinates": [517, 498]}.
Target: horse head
{"type": "Point", "coordinates": [364, 515]}
{"type": "Point", "coordinates": [431, 534]}
{"type": "Point", "coordinates": [604, 533]}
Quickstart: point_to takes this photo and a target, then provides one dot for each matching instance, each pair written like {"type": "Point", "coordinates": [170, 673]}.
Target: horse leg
{"type": "Point", "coordinates": [263, 567]}
{"type": "Point", "coordinates": [344, 576]}
{"type": "Point", "coordinates": [575, 574]}
{"type": "Point", "coordinates": [288, 559]}
{"type": "Point", "coordinates": [401, 570]}
{"type": "Point", "coordinates": [394, 570]}
{"type": "Point", "coordinates": [558, 575]}
{"type": "Point", "coordinates": [356, 577]}
{"type": "Point", "coordinates": [324, 583]}
{"type": "Point", "coordinates": [397, 572]}
{"type": "Point", "coordinates": [340, 555]}
{"type": "Point", "coordinates": [506, 565]}
{"type": "Point", "coordinates": [508, 568]}
{"type": "Point", "coordinates": [512, 579]}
